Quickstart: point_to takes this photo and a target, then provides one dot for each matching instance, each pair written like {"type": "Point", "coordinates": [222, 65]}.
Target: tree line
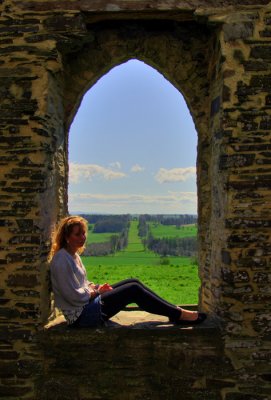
{"type": "Point", "coordinates": [118, 225]}
{"type": "Point", "coordinates": [168, 246]}
{"type": "Point", "coordinates": [107, 223]}
{"type": "Point", "coordinates": [178, 220]}
{"type": "Point", "coordinates": [187, 247]}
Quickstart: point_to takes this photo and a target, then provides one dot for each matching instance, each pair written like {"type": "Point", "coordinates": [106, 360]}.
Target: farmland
{"type": "Point", "coordinates": [170, 231]}
{"type": "Point", "coordinates": [97, 237]}
{"type": "Point", "coordinates": [177, 281]}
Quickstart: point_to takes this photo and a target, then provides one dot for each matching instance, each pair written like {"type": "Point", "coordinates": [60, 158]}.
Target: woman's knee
{"type": "Point", "coordinates": [131, 281]}
{"type": "Point", "coordinates": [135, 287]}
{"type": "Point", "coordinates": [135, 280]}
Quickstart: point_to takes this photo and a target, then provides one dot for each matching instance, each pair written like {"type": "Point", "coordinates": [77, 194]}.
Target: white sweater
{"type": "Point", "coordinates": [69, 282]}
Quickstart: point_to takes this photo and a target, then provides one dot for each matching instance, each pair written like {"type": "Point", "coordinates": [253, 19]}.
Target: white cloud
{"type": "Point", "coordinates": [175, 174]}
{"type": "Point", "coordinates": [137, 168]}
{"type": "Point", "coordinates": [172, 202]}
{"type": "Point", "coordinates": [115, 164]}
{"type": "Point", "coordinates": [79, 172]}
{"type": "Point", "coordinates": [171, 196]}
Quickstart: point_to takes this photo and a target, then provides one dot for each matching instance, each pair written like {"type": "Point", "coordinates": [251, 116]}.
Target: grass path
{"type": "Point", "coordinates": [134, 241]}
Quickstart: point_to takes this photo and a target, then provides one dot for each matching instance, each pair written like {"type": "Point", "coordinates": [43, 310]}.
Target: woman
{"type": "Point", "coordinates": [85, 304]}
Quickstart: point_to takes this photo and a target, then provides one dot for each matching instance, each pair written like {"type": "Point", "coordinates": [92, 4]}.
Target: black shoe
{"type": "Point", "coordinates": [201, 317]}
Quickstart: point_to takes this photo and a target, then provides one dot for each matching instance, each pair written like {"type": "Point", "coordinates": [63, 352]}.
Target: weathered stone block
{"type": "Point", "coordinates": [247, 223]}
{"type": "Point", "coordinates": [235, 277]}
{"type": "Point", "coordinates": [238, 55]}
{"type": "Point", "coordinates": [236, 161]}
{"type": "Point", "coordinates": [263, 52]}
{"type": "Point", "coordinates": [26, 225]}
{"type": "Point", "coordinates": [261, 277]}
{"type": "Point", "coordinates": [265, 33]}
{"type": "Point", "coordinates": [226, 257]}
{"type": "Point", "coordinates": [262, 82]}
{"type": "Point", "coordinates": [62, 23]}
{"type": "Point", "coordinates": [13, 333]}
{"type": "Point", "coordinates": [215, 106]}
{"type": "Point", "coordinates": [268, 100]}
{"type": "Point", "coordinates": [243, 396]}
{"type": "Point", "coordinates": [251, 263]}
{"type": "Point", "coordinates": [9, 313]}
{"type": "Point", "coordinates": [256, 65]}
{"type": "Point", "coordinates": [226, 94]}
{"type": "Point", "coordinates": [241, 30]}
{"type": "Point", "coordinates": [26, 293]}
{"type": "Point", "coordinates": [8, 391]}
{"type": "Point", "coordinates": [25, 280]}
{"type": "Point", "coordinates": [9, 355]}
{"type": "Point", "coordinates": [25, 239]}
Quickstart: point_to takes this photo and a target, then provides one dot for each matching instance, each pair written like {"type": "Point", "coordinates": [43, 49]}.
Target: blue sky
{"type": "Point", "coordinates": [132, 146]}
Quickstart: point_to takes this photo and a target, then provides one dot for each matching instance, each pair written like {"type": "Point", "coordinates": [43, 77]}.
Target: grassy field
{"type": "Point", "coordinates": [177, 282]}
{"type": "Point", "coordinates": [159, 230]}
{"type": "Point", "coordinates": [97, 237]}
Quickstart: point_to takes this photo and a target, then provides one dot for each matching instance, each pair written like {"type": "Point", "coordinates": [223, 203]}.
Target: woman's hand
{"type": "Point", "coordinates": [104, 288]}
{"type": "Point", "coordinates": [92, 285]}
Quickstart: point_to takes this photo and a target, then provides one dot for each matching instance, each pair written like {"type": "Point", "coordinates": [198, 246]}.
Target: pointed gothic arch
{"type": "Point", "coordinates": [184, 56]}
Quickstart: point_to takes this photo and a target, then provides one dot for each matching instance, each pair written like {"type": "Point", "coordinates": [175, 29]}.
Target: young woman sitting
{"type": "Point", "coordinates": [86, 304]}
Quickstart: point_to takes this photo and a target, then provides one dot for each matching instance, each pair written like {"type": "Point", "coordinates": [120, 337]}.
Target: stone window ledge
{"type": "Point", "coordinates": [137, 353]}
{"type": "Point", "coordinates": [134, 318]}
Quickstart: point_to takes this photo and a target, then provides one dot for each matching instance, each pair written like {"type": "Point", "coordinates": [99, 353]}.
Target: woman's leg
{"type": "Point", "coordinates": [184, 314]}
{"type": "Point", "coordinates": [134, 292]}
{"type": "Point", "coordinates": [134, 280]}
{"type": "Point", "coordinates": [123, 282]}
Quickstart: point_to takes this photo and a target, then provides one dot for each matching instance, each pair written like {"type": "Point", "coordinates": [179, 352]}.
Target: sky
{"type": "Point", "coordinates": [132, 146]}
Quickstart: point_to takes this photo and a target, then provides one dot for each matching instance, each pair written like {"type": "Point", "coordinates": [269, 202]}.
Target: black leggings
{"type": "Point", "coordinates": [133, 291]}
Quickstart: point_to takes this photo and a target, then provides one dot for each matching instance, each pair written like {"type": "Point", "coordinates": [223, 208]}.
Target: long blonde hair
{"type": "Point", "coordinates": [63, 230]}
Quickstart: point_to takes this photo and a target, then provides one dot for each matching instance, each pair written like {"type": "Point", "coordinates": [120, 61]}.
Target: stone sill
{"type": "Point", "coordinates": [132, 319]}
{"type": "Point", "coordinates": [138, 355]}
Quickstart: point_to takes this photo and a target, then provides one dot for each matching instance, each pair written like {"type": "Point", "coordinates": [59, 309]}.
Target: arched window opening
{"type": "Point", "coordinates": [132, 151]}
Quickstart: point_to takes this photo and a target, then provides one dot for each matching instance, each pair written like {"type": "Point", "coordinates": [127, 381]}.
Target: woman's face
{"type": "Point", "coordinates": [76, 238]}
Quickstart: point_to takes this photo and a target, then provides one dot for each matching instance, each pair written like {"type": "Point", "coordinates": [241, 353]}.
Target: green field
{"type": "Point", "coordinates": [169, 231]}
{"type": "Point", "coordinates": [177, 282]}
{"type": "Point", "coordinates": [98, 237]}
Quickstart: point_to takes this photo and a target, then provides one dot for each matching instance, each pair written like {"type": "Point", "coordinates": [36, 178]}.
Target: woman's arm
{"type": "Point", "coordinates": [66, 284]}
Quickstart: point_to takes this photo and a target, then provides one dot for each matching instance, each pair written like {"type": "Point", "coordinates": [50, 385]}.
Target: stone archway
{"type": "Point", "coordinates": [184, 54]}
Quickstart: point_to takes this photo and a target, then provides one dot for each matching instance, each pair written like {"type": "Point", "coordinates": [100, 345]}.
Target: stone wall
{"type": "Point", "coordinates": [218, 54]}
{"type": "Point", "coordinates": [152, 363]}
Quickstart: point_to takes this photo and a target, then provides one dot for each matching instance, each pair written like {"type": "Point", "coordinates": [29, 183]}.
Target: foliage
{"type": "Point", "coordinates": [171, 240]}
{"type": "Point", "coordinates": [164, 261]}
{"type": "Point", "coordinates": [178, 220]}
{"type": "Point", "coordinates": [93, 218]}
{"type": "Point", "coordinates": [173, 246]}
{"type": "Point", "coordinates": [110, 225]}
{"type": "Point", "coordinates": [98, 249]}
{"type": "Point", "coordinates": [143, 227]}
